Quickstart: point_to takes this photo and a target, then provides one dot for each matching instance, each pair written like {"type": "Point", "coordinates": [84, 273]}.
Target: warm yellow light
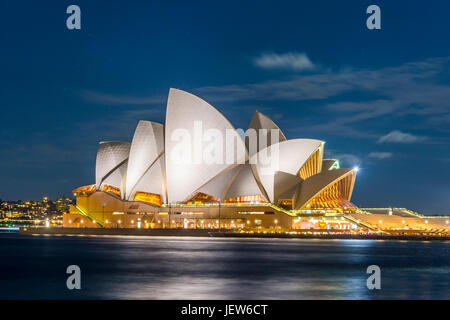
{"type": "Point", "coordinates": [70, 221]}
{"type": "Point", "coordinates": [132, 221]}
{"type": "Point", "coordinates": [446, 222]}
{"type": "Point", "coordinates": [106, 221]}
{"type": "Point", "coordinates": [119, 221]}
{"type": "Point", "coordinates": [82, 221]}
{"type": "Point", "coordinates": [93, 221]}
{"type": "Point", "coordinates": [217, 221]}
{"type": "Point", "coordinates": [159, 221]}
{"type": "Point", "coordinates": [426, 221]}
{"type": "Point", "coordinates": [248, 221]}
{"type": "Point", "coordinates": [232, 221]}
{"type": "Point", "coordinates": [403, 221]}
{"type": "Point", "coordinates": [276, 221]}
{"type": "Point", "coordinates": [380, 221]}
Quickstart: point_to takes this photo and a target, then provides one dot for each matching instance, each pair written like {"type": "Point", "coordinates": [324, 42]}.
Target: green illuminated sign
{"type": "Point", "coordinates": [335, 165]}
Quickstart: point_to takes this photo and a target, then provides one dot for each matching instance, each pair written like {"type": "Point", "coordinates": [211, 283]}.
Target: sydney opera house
{"type": "Point", "coordinates": [198, 171]}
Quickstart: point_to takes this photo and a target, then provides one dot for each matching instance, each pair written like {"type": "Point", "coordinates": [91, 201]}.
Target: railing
{"type": "Point", "coordinates": [87, 216]}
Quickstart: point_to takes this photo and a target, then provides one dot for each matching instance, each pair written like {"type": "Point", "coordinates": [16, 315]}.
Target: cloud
{"type": "Point", "coordinates": [290, 60]}
{"type": "Point", "coordinates": [397, 136]}
{"type": "Point", "coordinates": [414, 88]}
{"type": "Point", "coordinates": [380, 155]}
{"type": "Point", "coordinates": [391, 82]}
{"type": "Point", "coordinates": [117, 100]}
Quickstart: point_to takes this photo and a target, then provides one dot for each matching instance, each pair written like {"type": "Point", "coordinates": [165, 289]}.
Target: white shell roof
{"type": "Point", "coordinates": [146, 147]}
{"type": "Point", "coordinates": [151, 162]}
{"type": "Point", "coordinates": [109, 166]}
{"type": "Point", "coordinates": [244, 184]}
{"type": "Point", "coordinates": [287, 156]}
{"type": "Point", "coordinates": [187, 171]}
{"type": "Point", "coordinates": [285, 185]}
{"type": "Point", "coordinates": [221, 183]}
{"type": "Point", "coordinates": [260, 121]}
{"type": "Point", "coordinates": [152, 181]}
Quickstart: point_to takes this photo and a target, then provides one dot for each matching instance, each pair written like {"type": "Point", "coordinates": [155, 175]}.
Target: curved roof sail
{"type": "Point", "coordinates": [244, 184]}
{"type": "Point", "coordinates": [221, 183]}
{"type": "Point", "coordinates": [200, 143]}
{"type": "Point", "coordinates": [111, 162]}
{"type": "Point", "coordinates": [263, 127]}
{"type": "Point", "coordinates": [147, 146]}
{"type": "Point", "coordinates": [327, 186]}
{"type": "Point", "coordinates": [287, 156]}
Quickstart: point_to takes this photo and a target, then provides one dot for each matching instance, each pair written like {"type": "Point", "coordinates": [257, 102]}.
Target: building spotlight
{"type": "Point", "coordinates": [356, 169]}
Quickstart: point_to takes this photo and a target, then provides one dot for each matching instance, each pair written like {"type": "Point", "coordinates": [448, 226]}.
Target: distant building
{"type": "Point", "coordinates": [62, 204]}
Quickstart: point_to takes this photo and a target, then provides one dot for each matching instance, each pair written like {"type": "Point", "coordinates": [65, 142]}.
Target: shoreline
{"type": "Point", "coordinates": [221, 234]}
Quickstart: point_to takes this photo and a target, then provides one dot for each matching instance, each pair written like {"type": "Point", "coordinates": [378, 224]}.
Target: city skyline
{"type": "Point", "coordinates": [378, 98]}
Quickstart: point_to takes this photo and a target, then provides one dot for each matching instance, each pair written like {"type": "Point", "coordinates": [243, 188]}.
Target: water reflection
{"type": "Point", "coordinates": [121, 267]}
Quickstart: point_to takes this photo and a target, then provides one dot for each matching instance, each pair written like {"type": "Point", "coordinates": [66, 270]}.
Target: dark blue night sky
{"type": "Point", "coordinates": [379, 98]}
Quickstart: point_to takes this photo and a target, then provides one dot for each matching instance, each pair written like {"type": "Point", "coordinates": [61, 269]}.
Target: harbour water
{"type": "Point", "coordinates": [127, 267]}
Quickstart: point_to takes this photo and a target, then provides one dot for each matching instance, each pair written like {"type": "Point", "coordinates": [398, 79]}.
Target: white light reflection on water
{"type": "Point", "coordinates": [123, 267]}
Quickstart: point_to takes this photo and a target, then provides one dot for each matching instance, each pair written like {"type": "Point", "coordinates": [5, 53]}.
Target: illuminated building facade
{"type": "Point", "coordinates": [184, 174]}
